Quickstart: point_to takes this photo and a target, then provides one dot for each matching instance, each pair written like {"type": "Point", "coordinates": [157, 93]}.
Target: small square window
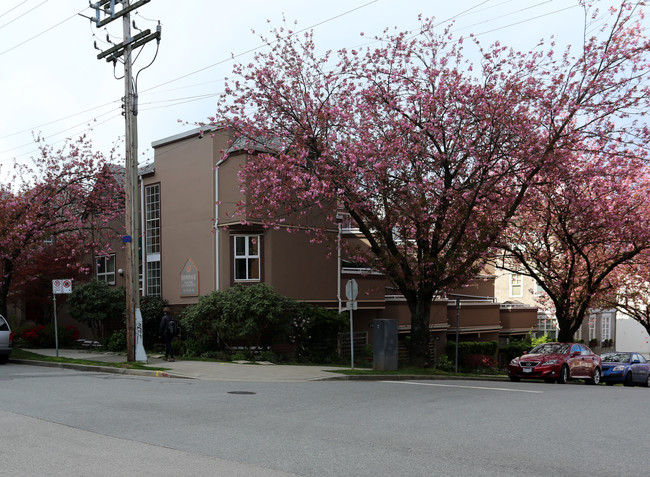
{"type": "Point", "coordinates": [247, 257]}
{"type": "Point", "coordinates": [106, 269]}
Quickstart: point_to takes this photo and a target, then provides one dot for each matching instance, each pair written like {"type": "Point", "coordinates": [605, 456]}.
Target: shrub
{"type": "Point", "coordinates": [252, 316]}
{"type": "Point", "coordinates": [479, 361]}
{"type": "Point", "coordinates": [514, 349]}
{"type": "Point", "coordinates": [268, 356]}
{"type": "Point", "coordinates": [34, 336]}
{"type": "Point", "coordinates": [468, 348]}
{"type": "Point", "coordinates": [151, 308]}
{"type": "Point", "coordinates": [445, 364]}
{"type": "Point", "coordinates": [314, 332]}
{"type": "Point", "coordinates": [42, 336]}
{"type": "Point", "coordinates": [240, 356]}
{"type": "Point", "coordinates": [116, 342]}
{"type": "Point", "coordinates": [95, 303]}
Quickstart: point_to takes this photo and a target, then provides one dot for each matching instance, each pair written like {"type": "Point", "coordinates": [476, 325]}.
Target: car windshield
{"type": "Point", "coordinates": [550, 348]}
{"type": "Point", "coordinates": [616, 357]}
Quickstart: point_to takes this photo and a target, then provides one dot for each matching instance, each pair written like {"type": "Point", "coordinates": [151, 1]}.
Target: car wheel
{"type": "Point", "coordinates": [596, 378]}
{"type": "Point", "coordinates": [628, 379]}
{"type": "Point", "coordinates": [646, 383]}
{"type": "Point", "coordinates": [564, 375]}
{"type": "Point", "coordinates": [516, 380]}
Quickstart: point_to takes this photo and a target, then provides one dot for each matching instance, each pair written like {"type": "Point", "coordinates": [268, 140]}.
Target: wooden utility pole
{"type": "Point", "coordinates": [106, 12]}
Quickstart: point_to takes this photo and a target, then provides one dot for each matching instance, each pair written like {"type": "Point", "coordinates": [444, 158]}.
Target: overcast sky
{"type": "Point", "coordinates": [52, 83]}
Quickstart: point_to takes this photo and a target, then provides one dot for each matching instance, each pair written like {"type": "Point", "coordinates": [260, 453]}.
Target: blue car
{"type": "Point", "coordinates": [624, 367]}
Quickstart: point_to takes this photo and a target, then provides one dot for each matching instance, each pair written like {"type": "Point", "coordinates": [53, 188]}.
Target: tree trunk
{"type": "Point", "coordinates": [420, 316]}
{"type": "Point", "coordinates": [565, 332]}
{"type": "Point", "coordinates": [565, 336]}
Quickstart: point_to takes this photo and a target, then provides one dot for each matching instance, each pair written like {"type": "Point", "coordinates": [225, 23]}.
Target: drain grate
{"type": "Point", "coordinates": [241, 392]}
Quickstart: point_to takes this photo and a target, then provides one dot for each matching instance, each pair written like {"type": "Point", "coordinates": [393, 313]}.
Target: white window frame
{"type": "Point", "coordinates": [152, 218]}
{"type": "Point", "coordinates": [606, 326]}
{"type": "Point", "coordinates": [249, 256]}
{"type": "Point", "coordinates": [592, 327]}
{"type": "Point", "coordinates": [547, 325]}
{"type": "Point", "coordinates": [108, 275]}
{"type": "Point", "coordinates": [520, 284]}
{"type": "Point", "coordinates": [154, 278]}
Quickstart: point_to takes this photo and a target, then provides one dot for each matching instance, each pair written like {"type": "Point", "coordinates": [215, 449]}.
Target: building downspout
{"type": "Point", "coordinates": [144, 237]}
{"type": "Point", "coordinates": [216, 226]}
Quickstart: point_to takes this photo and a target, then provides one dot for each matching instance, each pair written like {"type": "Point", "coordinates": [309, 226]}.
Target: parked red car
{"type": "Point", "coordinates": [557, 362]}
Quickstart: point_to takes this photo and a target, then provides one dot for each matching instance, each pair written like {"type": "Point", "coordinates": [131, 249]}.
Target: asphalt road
{"type": "Point", "coordinates": [59, 422]}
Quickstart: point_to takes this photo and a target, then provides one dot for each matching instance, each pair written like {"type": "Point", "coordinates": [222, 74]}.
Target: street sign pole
{"type": "Point", "coordinates": [59, 287]}
{"type": "Point", "coordinates": [351, 341]}
{"type": "Point", "coordinates": [56, 328]}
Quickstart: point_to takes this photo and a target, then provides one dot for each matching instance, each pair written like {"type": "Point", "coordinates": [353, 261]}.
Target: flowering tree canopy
{"type": "Point", "coordinates": [632, 298]}
{"type": "Point", "coordinates": [429, 154]}
{"type": "Point", "coordinates": [577, 232]}
{"type": "Point", "coordinates": [70, 194]}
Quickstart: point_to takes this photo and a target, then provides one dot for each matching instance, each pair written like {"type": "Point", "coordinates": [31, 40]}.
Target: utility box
{"type": "Point", "coordinates": [384, 345]}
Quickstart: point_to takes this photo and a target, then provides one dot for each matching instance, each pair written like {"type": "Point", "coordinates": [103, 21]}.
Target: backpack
{"type": "Point", "coordinates": [172, 327]}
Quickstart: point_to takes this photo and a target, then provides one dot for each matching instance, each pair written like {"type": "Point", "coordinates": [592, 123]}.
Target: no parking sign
{"type": "Point", "coordinates": [61, 286]}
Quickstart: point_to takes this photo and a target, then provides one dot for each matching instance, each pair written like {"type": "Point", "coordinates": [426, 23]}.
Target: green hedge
{"type": "Point", "coordinates": [514, 350]}
{"type": "Point", "coordinates": [469, 348]}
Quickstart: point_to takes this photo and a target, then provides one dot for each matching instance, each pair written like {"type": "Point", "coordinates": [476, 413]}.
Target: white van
{"type": "Point", "coordinates": [5, 340]}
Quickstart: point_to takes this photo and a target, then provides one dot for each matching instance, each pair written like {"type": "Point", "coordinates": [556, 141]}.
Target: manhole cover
{"type": "Point", "coordinates": [241, 392]}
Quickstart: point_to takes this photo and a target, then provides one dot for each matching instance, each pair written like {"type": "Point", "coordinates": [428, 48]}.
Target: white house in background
{"type": "Point", "coordinates": [599, 327]}
{"type": "Point", "coordinates": [515, 288]}
{"type": "Point", "coordinates": [631, 335]}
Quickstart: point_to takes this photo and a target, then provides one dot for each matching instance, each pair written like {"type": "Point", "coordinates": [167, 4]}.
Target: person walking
{"type": "Point", "coordinates": [167, 333]}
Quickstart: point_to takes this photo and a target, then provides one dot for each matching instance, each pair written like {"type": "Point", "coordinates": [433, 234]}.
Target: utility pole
{"type": "Point", "coordinates": [106, 12]}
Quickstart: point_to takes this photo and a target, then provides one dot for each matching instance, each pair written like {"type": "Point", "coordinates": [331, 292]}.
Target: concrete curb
{"type": "Point", "coordinates": [334, 377]}
{"type": "Point", "coordinates": [412, 377]}
{"type": "Point", "coordinates": [101, 369]}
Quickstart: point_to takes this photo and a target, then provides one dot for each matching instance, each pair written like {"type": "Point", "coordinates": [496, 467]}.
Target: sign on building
{"type": "Point", "coordinates": [189, 279]}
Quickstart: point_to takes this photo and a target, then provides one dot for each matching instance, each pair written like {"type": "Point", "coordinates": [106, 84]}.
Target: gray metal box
{"type": "Point", "coordinates": [384, 345]}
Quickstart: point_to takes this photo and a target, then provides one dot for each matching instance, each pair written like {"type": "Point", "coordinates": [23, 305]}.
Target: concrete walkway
{"type": "Point", "coordinates": [208, 370]}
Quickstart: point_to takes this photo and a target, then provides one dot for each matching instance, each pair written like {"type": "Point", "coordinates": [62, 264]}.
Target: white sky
{"type": "Point", "coordinates": [52, 83]}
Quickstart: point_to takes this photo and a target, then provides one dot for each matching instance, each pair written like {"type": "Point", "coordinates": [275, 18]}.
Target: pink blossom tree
{"type": "Point", "coordinates": [632, 297]}
{"type": "Point", "coordinates": [69, 194]}
{"type": "Point", "coordinates": [579, 230]}
{"type": "Point", "coordinates": [429, 154]}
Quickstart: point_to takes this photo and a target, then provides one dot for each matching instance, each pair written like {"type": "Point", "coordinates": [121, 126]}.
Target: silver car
{"type": "Point", "coordinates": [5, 340]}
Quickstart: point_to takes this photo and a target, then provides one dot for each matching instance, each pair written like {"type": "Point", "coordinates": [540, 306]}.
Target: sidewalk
{"type": "Point", "coordinates": [207, 370]}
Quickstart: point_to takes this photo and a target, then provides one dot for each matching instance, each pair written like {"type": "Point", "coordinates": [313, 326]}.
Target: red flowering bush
{"type": "Point", "coordinates": [34, 337]}
{"type": "Point", "coordinates": [42, 336]}
{"type": "Point", "coordinates": [73, 332]}
{"type": "Point", "coordinates": [479, 361]}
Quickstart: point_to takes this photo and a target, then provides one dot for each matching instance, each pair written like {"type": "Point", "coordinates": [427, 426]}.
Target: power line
{"type": "Point", "coordinates": [38, 34]}
{"type": "Point", "coordinates": [13, 8]}
{"type": "Point", "coordinates": [20, 16]}
{"type": "Point", "coordinates": [261, 46]}
{"type": "Point", "coordinates": [189, 99]}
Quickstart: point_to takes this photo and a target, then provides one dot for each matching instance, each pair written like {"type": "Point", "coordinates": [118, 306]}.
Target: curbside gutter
{"type": "Point", "coordinates": [101, 369]}
{"type": "Point", "coordinates": [334, 377]}
{"type": "Point", "coordinates": [412, 377]}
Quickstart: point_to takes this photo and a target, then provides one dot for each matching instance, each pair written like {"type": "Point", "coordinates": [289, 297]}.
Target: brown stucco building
{"type": "Point", "coordinates": [194, 244]}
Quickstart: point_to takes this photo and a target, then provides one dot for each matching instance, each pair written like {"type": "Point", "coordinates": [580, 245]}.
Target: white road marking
{"type": "Point", "coordinates": [468, 387]}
